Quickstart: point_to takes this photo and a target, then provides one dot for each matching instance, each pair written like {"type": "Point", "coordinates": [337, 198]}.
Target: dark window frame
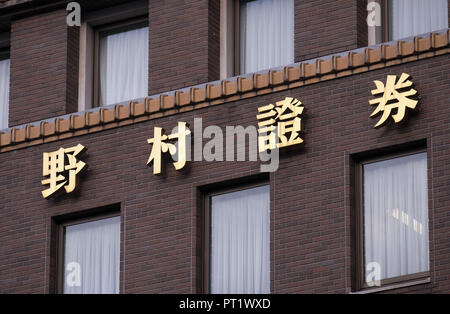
{"type": "Point", "coordinates": [385, 21]}
{"type": "Point", "coordinates": [61, 227]}
{"type": "Point", "coordinates": [382, 31]}
{"type": "Point", "coordinates": [206, 226]}
{"type": "Point", "coordinates": [109, 29]}
{"type": "Point", "coordinates": [4, 54]}
{"type": "Point", "coordinates": [359, 271]}
{"type": "Point", "coordinates": [5, 46]}
{"type": "Point", "coordinates": [237, 29]}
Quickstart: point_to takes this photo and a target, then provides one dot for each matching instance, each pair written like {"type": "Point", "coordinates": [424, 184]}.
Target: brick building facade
{"type": "Point", "coordinates": [313, 194]}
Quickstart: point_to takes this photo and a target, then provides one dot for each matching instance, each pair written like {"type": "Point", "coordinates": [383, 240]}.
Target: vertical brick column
{"type": "Point", "coordinates": [184, 43]}
{"type": "Point", "coordinates": [44, 67]}
{"type": "Point", "coordinates": [362, 29]}
{"type": "Point", "coordinates": [213, 40]}
{"type": "Point", "coordinates": [324, 27]}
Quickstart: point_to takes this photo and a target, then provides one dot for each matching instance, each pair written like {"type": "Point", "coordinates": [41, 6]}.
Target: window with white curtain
{"type": "Point", "coordinates": [92, 257]}
{"type": "Point", "coordinates": [240, 241]}
{"type": "Point", "coordinates": [413, 17]}
{"type": "Point", "coordinates": [266, 34]}
{"type": "Point", "coordinates": [4, 92]}
{"type": "Point", "coordinates": [123, 65]}
{"type": "Point", "coordinates": [395, 202]}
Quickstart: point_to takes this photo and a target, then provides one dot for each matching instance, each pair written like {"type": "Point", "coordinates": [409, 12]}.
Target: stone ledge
{"type": "Point", "coordinates": [228, 90]}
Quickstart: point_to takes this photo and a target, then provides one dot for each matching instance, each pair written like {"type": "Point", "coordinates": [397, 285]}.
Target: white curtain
{"type": "Point", "coordinates": [396, 215]}
{"type": "Point", "coordinates": [124, 66]}
{"type": "Point", "coordinates": [92, 257]}
{"type": "Point", "coordinates": [4, 93]}
{"type": "Point", "coordinates": [240, 242]}
{"type": "Point", "coordinates": [414, 17]}
{"type": "Point", "coordinates": [266, 34]}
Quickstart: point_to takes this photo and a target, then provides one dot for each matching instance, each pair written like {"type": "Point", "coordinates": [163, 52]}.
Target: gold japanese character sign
{"type": "Point", "coordinates": [62, 168]}
{"type": "Point", "coordinates": [279, 125]}
{"type": "Point", "coordinates": [174, 143]}
{"type": "Point", "coordinates": [395, 95]}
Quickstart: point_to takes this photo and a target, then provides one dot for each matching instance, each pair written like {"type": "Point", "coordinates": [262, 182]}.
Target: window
{"type": "Point", "coordinates": [393, 219]}
{"type": "Point", "coordinates": [90, 256]}
{"type": "Point", "coordinates": [407, 18]}
{"type": "Point", "coordinates": [413, 17]}
{"type": "Point", "coordinates": [122, 63]}
{"type": "Point", "coordinates": [263, 35]}
{"type": "Point", "coordinates": [237, 241]}
{"type": "Point", "coordinates": [4, 89]}
{"type": "Point", "coordinates": [113, 63]}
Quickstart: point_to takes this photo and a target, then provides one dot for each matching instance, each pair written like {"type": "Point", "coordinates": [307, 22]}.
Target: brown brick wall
{"type": "Point", "coordinates": [72, 55]}
{"type": "Point", "coordinates": [184, 49]}
{"type": "Point", "coordinates": [324, 27]}
{"type": "Point", "coordinates": [44, 68]}
{"type": "Point", "coordinates": [180, 51]}
{"type": "Point", "coordinates": [213, 40]}
{"type": "Point", "coordinates": [310, 193]}
{"type": "Point", "coordinates": [362, 36]}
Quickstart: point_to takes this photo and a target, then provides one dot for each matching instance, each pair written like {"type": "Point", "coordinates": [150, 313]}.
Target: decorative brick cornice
{"type": "Point", "coordinates": [214, 93]}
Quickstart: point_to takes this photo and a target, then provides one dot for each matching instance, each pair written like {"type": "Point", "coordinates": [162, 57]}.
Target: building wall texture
{"type": "Point", "coordinates": [44, 68]}
{"type": "Point", "coordinates": [312, 193]}
{"type": "Point", "coordinates": [342, 27]}
{"type": "Point", "coordinates": [184, 44]}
